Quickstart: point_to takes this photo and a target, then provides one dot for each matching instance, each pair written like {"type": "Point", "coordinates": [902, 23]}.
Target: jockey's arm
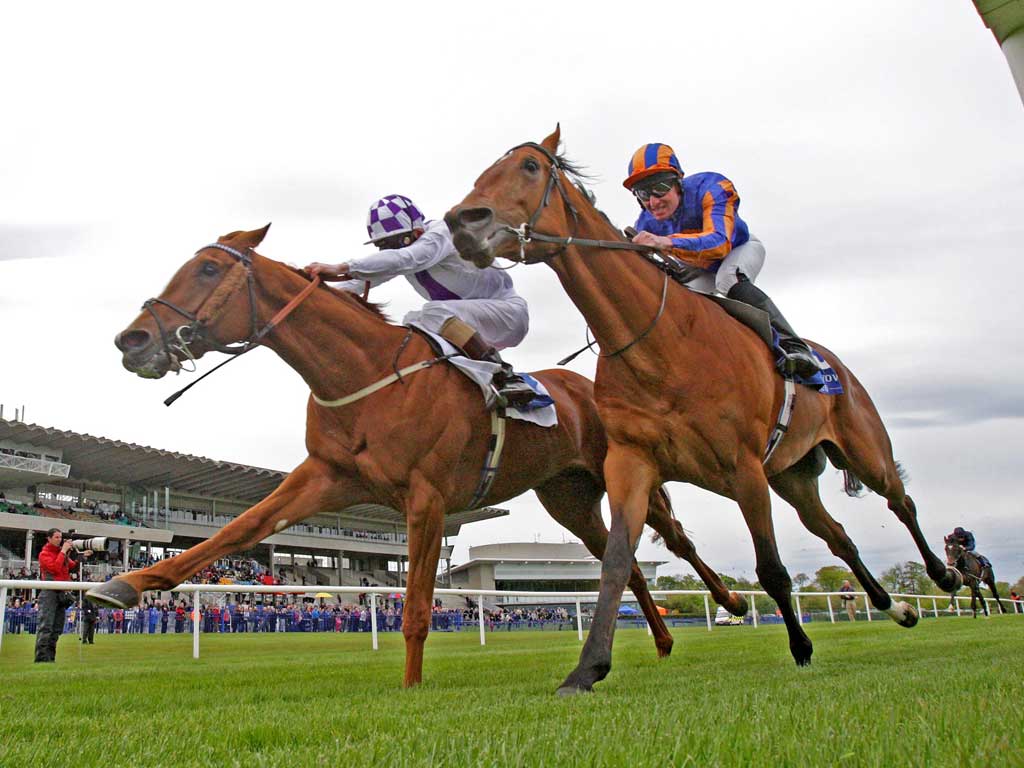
{"type": "Point", "coordinates": [714, 242]}
{"type": "Point", "coordinates": [429, 249]}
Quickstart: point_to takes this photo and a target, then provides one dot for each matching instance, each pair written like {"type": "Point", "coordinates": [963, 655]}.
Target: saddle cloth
{"type": "Point", "coordinates": [826, 381]}
{"type": "Point", "coordinates": [540, 411]}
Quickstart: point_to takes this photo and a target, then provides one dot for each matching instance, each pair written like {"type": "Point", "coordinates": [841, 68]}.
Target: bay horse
{"type": "Point", "coordinates": [417, 446]}
{"type": "Point", "coordinates": [686, 393]}
{"type": "Point", "coordinates": [973, 573]}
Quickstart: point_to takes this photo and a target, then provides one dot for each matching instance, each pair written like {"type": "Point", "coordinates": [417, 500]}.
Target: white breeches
{"type": "Point", "coordinates": [502, 323]}
{"type": "Point", "coordinates": [747, 258]}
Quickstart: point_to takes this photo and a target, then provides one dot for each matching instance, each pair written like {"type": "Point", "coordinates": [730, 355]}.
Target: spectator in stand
{"type": "Point", "coordinates": [90, 614]}
{"type": "Point", "coordinates": [54, 565]}
{"type": "Point", "coordinates": [179, 618]}
{"type": "Point", "coordinates": [849, 600]}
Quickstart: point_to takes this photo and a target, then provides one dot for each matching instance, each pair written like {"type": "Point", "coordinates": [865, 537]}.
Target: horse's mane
{"type": "Point", "coordinates": [579, 177]}
{"type": "Point", "coordinates": [369, 306]}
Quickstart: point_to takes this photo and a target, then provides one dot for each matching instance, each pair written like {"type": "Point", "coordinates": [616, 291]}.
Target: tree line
{"type": "Point", "coordinates": [907, 578]}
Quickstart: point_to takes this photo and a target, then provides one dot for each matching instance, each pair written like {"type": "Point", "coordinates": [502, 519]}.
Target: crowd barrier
{"type": "Point", "coordinates": [372, 593]}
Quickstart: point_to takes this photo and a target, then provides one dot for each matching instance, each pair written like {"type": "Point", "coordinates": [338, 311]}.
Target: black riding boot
{"type": "Point", "coordinates": [799, 359]}
{"type": "Point", "coordinates": [510, 386]}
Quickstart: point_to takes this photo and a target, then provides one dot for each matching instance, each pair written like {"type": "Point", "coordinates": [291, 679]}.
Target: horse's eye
{"type": "Point", "coordinates": [209, 269]}
{"type": "Point", "coordinates": [531, 165]}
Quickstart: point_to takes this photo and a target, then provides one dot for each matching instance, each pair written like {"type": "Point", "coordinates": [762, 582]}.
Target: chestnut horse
{"type": "Point", "coordinates": [418, 446]}
{"type": "Point", "coordinates": [685, 392]}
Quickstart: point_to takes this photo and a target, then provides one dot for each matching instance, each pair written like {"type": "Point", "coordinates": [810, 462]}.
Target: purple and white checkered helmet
{"type": "Point", "coordinates": [392, 215]}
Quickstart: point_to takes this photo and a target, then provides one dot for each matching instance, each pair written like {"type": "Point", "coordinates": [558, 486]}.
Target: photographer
{"type": "Point", "coordinates": [54, 565]}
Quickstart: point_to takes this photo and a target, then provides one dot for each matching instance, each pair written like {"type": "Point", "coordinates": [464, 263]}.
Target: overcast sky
{"type": "Point", "coordinates": [877, 148]}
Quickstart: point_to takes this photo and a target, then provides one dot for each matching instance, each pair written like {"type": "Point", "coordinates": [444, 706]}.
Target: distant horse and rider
{"type": "Point", "coordinates": [416, 444]}
{"type": "Point", "coordinates": [974, 569]}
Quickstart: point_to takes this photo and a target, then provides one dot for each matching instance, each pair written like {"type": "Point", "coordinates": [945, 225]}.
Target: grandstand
{"type": "Point", "coordinates": [156, 503]}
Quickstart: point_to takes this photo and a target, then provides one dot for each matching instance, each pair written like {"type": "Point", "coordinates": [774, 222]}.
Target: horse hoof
{"type": "Point", "coordinates": [737, 605]}
{"type": "Point", "coordinates": [664, 649]}
{"type": "Point", "coordinates": [903, 614]}
{"type": "Point", "coordinates": [116, 593]}
{"type": "Point", "coordinates": [802, 654]}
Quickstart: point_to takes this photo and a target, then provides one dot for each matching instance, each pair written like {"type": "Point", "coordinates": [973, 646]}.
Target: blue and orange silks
{"type": "Point", "coordinates": [649, 160]}
{"type": "Point", "coordinates": [706, 226]}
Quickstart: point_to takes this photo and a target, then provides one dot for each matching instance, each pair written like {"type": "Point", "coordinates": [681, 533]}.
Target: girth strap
{"type": "Point", "coordinates": [493, 460]}
{"type": "Point", "coordinates": [782, 422]}
{"type": "Point", "coordinates": [386, 381]}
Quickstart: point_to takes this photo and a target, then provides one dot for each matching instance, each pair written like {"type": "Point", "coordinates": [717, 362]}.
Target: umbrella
{"type": "Point", "coordinates": [662, 610]}
{"type": "Point", "coordinates": [327, 595]}
{"type": "Point", "coordinates": [628, 610]}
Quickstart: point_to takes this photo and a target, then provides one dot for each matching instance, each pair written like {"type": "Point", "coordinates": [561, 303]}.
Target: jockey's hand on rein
{"type": "Point", "coordinates": [328, 271]}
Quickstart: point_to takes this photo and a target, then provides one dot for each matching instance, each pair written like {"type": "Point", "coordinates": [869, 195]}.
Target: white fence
{"type": "Point", "coordinates": [197, 590]}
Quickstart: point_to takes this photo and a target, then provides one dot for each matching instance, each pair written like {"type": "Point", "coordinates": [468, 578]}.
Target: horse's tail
{"type": "Point", "coordinates": [662, 495]}
{"type": "Point", "coordinates": [853, 486]}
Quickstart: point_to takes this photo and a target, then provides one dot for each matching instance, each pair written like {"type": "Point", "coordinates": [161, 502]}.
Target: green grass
{"type": "Point", "coordinates": [948, 693]}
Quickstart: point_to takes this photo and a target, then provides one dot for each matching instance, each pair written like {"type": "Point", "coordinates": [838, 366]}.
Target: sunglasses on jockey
{"type": "Point", "coordinates": [657, 190]}
{"type": "Point", "coordinates": [394, 242]}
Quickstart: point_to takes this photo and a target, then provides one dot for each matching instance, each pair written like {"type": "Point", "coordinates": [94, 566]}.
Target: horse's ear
{"type": "Point", "coordinates": [551, 142]}
{"type": "Point", "coordinates": [244, 239]}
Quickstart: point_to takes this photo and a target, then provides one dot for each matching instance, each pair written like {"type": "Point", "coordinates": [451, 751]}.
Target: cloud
{"type": "Point", "coordinates": [38, 242]}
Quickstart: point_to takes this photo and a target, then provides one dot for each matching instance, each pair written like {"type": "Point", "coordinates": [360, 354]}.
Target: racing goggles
{"type": "Point", "coordinates": [658, 190]}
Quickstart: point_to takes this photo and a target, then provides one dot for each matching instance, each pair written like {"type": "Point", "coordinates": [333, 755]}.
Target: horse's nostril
{"type": "Point", "coordinates": [129, 341]}
{"type": "Point", "coordinates": [474, 218]}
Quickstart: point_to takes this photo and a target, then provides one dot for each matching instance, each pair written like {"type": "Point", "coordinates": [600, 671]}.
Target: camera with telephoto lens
{"type": "Point", "coordinates": [96, 544]}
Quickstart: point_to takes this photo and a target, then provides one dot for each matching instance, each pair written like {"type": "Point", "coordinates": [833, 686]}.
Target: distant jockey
{"type": "Point", "coordinates": [476, 310]}
{"type": "Point", "coordinates": [964, 537]}
{"type": "Point", "coordinates": [697, 218]}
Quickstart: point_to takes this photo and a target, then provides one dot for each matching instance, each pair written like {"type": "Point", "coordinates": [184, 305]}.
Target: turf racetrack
{"type": "Point", "coordinates": [948, 693]}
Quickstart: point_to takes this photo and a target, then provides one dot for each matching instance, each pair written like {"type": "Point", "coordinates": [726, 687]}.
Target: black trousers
{"type": "Point", "coordinates": [88, 629]}
{"type": "Point", "coordinates": [51, 625]}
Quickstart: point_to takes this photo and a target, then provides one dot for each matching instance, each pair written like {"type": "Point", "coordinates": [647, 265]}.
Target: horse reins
{"type": "Point", "coordinates": [202, 318]}
{"type": "Point", "coordinates": [526, 234]}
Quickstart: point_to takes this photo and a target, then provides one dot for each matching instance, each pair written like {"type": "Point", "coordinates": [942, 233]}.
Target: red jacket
{"type": "Point", "coordinates": [55, 564]}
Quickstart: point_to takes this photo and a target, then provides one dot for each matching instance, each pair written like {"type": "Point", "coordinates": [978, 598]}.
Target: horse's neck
{"type": "Point", "coordinates": [617, 292]}
{"type": "Point", "coordinates": [334, 343]}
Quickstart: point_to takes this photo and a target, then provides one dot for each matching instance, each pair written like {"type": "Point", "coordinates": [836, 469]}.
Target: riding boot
{"type": "Point", "coordinates": [509, 385]}
{"type": "Point", "coordinates": [799, 359]}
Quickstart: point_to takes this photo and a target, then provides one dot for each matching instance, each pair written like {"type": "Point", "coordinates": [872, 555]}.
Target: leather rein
{"type": "Point", "coordinates": [179, 347]}
{"type": "Point", "coordinates": [526, 234]}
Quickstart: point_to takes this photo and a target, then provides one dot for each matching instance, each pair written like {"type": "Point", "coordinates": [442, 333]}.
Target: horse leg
{"type": "Point", "coordinates": [751, 492]}
{"type": "Point", "coordinates": [630, 478]}
{"type": "Point", "coordinates": [864, 443]}
{"type": "Point", "coordinates": [425, 520]}
{"type": "Point", "coordinates": [990, 579]}
{"type": "Point", "coordinates": [800, 490]}
{"type": "Point", "coordinates": [302, 494]}
{"type": "Point", "coordinates": [659, 517]}
{"type": "Point", "coordinates": [574, 501]}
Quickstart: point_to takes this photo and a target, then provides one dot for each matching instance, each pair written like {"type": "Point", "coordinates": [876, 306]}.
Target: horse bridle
{"type": "Point", "coordinates": [204, 317]}
{"type": "Point", "coordinates": [525, 234]}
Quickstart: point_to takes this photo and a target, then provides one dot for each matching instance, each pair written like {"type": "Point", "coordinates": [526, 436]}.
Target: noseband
{"type": "Point", "coordinates": [212, 308]}
{"type": "Point", "coordinates": [198, 326]}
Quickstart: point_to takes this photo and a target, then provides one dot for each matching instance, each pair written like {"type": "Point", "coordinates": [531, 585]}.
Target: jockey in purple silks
{"type": "Point", "coordinates": [477, 310]}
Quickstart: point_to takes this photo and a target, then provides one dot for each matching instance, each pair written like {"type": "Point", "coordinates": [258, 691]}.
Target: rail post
{"type": "Point", "coordinates": [831, 615]}
{"type": "Point", "coordinates": [373, 618]}
{"type": "Point", "coordinates": [480, 609]}
{"type": "Point", "coordinates": [799, 615]}
{"type": "Point", "coordinates": [753, 607]}
{"type": "Point", "coordinates": [195, 625]}
{"type": "Point", "coordinates": [867, 606]}
{"type": "Point", "coordinates": [935, 608]}
{"type": "Point", "coordinates": [707, 612]}
{"type": "Point", "coordinates": [579, 620]}
{"type": "Point", "coordinates": [3, 613]}
{"type": "Point", "coordinates": [919, 608]}
{"type": "Point", "coordinates": [956, 599]}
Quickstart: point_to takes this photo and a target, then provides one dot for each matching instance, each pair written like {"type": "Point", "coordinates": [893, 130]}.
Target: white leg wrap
{"type": "Point", "coordinates": [898, 611]}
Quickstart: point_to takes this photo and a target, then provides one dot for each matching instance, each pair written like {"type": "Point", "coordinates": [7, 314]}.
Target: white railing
{"type": "Point", "coordinates": [40, 466]}
{"type": "Point", "coordinates": [198, 589]}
